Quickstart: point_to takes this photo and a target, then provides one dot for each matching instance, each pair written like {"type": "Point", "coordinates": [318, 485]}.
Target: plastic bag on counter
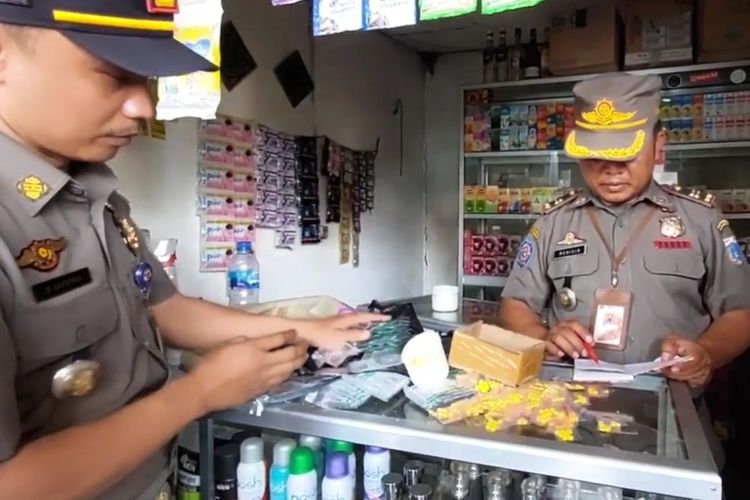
{"type": "Point", "coordinates": [375, 362]}
{"type": "Point", "coordinates": [340, 395]}
{"type": "Point", "coordinates": [399, 311]}
{"type": "Point", "coordinates": [388, 337]}
{"type": "Point", "coordinates": [297, 387]}
{"type": "Point", "coordinates": [432, 400]}
{"type": "Point", "coordinates": [381, 385]}
{"type": "Point", "coordinates": [334, 358]}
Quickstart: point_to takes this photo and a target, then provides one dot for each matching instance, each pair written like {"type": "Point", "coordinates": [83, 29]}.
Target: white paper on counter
{"type": "Point", "coordinates": [588, 370]}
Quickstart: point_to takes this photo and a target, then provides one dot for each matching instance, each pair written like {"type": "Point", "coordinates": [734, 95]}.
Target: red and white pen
{"type": "Point", "coordinates": [591, 352]}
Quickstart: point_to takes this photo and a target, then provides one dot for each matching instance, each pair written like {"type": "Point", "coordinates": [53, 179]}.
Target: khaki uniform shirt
{"type": "Point", "coordinates": [678, 284]}
{"type": "Point", "coordinates": [50, 315]}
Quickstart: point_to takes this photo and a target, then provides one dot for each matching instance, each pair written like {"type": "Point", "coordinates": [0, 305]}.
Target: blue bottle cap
{"type": "Point", "coordinates": [375, 450]}
{"type": "Point", "coordinates": [337, 465]}
{"type": "Point", "coordinates": [244, 247]}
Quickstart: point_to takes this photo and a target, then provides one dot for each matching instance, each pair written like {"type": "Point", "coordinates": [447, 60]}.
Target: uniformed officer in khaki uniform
{"type": "Point", "coordinates": [84, 409]}
{"type": "Point", "coordinates": [636, 269]}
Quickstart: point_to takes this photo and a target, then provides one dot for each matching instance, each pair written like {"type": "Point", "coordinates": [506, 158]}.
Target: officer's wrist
{"type": "Point", "coordinates": [708, 353]}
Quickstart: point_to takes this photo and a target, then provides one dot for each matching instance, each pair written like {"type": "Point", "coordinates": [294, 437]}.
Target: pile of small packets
{"type": "Point", "coordinates": [554, 407]}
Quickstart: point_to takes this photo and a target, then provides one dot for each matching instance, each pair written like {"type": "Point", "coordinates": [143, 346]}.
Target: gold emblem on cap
{"type": "Point", "coordinates": [672, 226]}
{"type": "Point", "coordinates": [75, 380]}
{"type": "Point", "coordinates": [32, 187]}
{"type": "Point", "coordinates": [605, 116]}
{"type": "Point", "coordinates": [723, 224]}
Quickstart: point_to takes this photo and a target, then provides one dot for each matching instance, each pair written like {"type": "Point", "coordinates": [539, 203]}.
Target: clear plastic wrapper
{"type": "Point", "coordinates": [375, 362]}
{"type": "Point", "coordinates": [336, 357]}
{"type": "Point", "coordinates": [433, 400]}
{"type": "Point", "coordinates": [381, 385]}
{"type": "Point", "coordinates": [298, 387]}
{"type": "Point", "coordinates": [340, 395]}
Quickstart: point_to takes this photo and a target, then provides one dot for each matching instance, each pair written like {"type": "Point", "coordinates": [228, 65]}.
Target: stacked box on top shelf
{"type": "Point", "coordinates": [503, 200]}
{"type": "Point", "coordinates": [489, 254]}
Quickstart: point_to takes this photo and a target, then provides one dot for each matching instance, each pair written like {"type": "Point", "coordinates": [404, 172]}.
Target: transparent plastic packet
{"type": "Point", "coordinates": [433, 400]}
{"type": "Point", "coordinates": [375, 362]}
{"type": "Point", "coordinates": [340, 395]}
{"type": "Point", "coordinates": [380, 385]}
{"type": "Point", "coordinates": [296, 387]}
{"type": "Point", "coordinates": [334, 358]}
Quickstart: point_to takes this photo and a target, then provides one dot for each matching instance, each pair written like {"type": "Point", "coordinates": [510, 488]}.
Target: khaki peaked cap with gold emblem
{"type": "Point", "coordinates": [615, 116]}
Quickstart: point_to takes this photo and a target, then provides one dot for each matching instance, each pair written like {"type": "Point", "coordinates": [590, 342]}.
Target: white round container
{"type": "Point", "coordinates": [425, 361]}
{"type": "Point", "coordinates": [444, 298]}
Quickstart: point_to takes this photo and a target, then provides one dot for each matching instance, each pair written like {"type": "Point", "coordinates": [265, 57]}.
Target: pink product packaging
{"type": "Point", "coordinates": [214, 129]}
{"type": "Point", "coordinates": [490, 266]}
{"type": "Point", "coordinates": [214, 178]}
{"type": "Point", "coordinates": [240, 131]}
{"type": "Point", "coordinates": [477, 265]}
{"type": "Point", "coordinates": [214, 258]}
{"type": "Point", "coordinates": [217, 232]}
{"type": "Point", "coordinates": [503, 266]}
{"type": "Point", "coordinates": [490, 245]}
{"type": "Point", "coordinates": [239, 207]}
{"type": "Point", "coordinates": [477, 245]}
{"type": "Point", "coordinates": [216, 152]}
{"type": "Point", "coordinates": [242, 183]}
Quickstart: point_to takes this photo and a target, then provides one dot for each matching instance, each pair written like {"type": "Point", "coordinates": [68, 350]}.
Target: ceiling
{"type": "Point", "coordinates": [467, 33]}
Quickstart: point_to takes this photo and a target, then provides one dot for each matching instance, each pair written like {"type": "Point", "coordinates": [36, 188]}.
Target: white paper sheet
{"type": "Point", "coordinates": [587, 370]}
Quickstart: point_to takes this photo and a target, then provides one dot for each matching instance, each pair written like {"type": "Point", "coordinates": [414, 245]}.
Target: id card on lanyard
{"type": "Point", "coordinates": [609, 324]}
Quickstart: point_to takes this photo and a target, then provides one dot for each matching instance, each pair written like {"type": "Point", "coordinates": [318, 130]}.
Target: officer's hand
{"type": "Point", "coordinates": [696, 372]}
{"type": "Point", "coordinates": [567, 338]}
{"type": "Point", "coordinates": [234, 373]}
{"type": "Point", "coordinates": [332, 333]}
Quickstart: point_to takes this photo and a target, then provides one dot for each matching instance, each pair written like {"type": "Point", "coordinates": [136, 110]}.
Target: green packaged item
{"type": "Point", "coordinates": [497, 6]}
{"type": "Point", "coordinates": [440, 9]}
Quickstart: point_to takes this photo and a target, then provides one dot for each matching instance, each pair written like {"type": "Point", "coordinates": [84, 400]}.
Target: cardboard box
{"type": "Point", "coordinates": [658, 33]}
{"type": "Point", "coordinates": [723, 33]}
{"type": "Point", "coordinates": [494, 352]}
{"type": "Point", "coordinates": [571, 49]}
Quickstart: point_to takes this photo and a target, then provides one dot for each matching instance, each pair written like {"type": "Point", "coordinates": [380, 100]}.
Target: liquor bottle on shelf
{"type": "Point", "coordinates": [501, 57]}
{"type": "Point", "coordinates": [532, 59]}
{"type": "Point", "coordinates": [544, 55]}
{"type": "Point", "coordinates": [515, 56]}
{"type": "Point", "coordinates": [488, 58]}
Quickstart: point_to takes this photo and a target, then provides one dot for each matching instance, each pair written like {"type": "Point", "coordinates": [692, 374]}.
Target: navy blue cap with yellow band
{"type": "Point", "coordinates": [135, 35]}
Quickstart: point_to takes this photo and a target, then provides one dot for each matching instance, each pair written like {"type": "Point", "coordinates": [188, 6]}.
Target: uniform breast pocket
{"type": "Point", "coordinates": [43, 334]}
{"type": "Point", "coordinates": [676, 274]}
{"type": "Point", "coordinates": [579, 274]}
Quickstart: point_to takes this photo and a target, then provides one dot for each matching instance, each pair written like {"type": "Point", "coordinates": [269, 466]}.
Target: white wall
{"type": "Point", "coordinates": [358, 77]}
{"type": "Point", "coordinates": [443, 140]}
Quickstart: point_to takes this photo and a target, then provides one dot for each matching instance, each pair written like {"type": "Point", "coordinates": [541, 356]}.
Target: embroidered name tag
{"type": "Point", "coordinates": [673, 244]}
{"type": "Point", "coordinates": [570, 251]}
{"type": "Point", "coordinates": [48, 290]}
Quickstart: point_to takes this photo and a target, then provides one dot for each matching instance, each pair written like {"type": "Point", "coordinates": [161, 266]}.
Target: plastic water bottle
{"type": "Point", "coordinates": [243, 276]}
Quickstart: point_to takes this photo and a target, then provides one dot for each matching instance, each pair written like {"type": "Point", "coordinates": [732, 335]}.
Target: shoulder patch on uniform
{"type": "Point", "coordinates": [525, 252]}
{"type": "Point", "coordinates": [535, 232]}
{"type": "Point", "coordinates": [561, 201]}
{"type": "Point", "coordinates": [695, 195]}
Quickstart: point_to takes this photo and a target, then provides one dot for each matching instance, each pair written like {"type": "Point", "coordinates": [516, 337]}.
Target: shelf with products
{"type": "Point", "coordinates": [514, 131]}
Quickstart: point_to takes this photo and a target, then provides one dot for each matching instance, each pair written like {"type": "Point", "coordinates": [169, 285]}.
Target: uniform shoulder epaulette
{"type": "Point", "coordinates": [561, 201]}
{"type": "Point", "coordinates": [695, 195]}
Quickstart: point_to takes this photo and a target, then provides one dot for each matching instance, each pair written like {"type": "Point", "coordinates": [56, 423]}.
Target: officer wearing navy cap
{"type": "Point", "coordinates": [85, 407]}
{"type": "Point", "coordinates": [635, 269]}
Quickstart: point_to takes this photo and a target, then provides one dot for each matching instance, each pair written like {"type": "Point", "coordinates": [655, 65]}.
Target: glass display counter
{"type": "Point", "coordinates": [662, 449]}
